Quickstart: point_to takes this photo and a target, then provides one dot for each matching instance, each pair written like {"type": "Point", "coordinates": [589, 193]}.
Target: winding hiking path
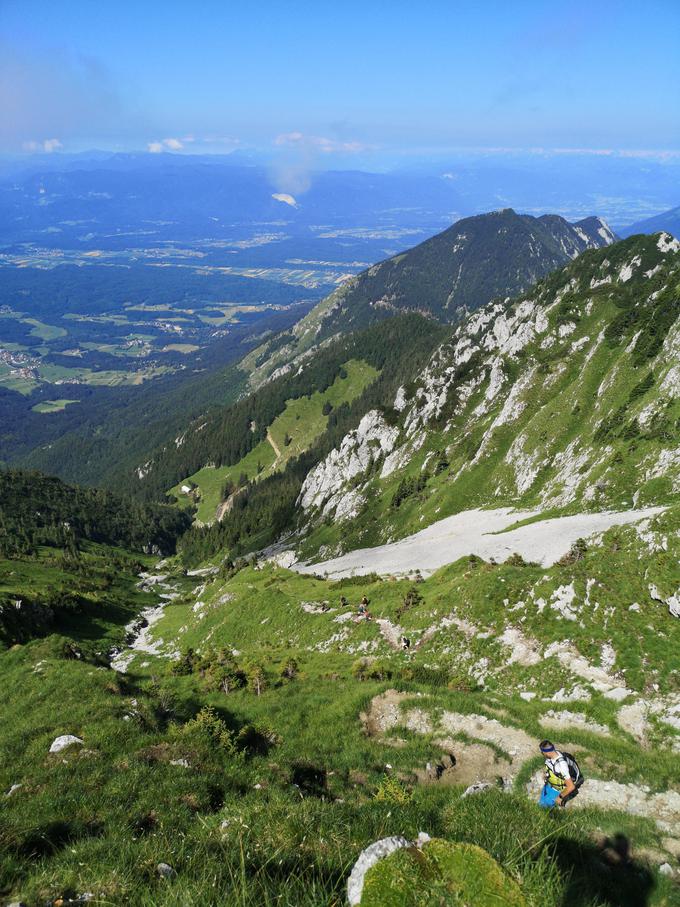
{"type": "Point", "coordinates": [225, 506]}
{"type": "Point", "coordinates": [275, 448]}
{"type": "Point", "coordinates": [479, 532]}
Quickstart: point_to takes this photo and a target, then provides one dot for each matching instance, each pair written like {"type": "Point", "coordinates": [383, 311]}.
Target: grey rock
{"type": "Point", "coordinates": [63, 742]}
{"type": "Point", "coordinates": [477, 788]}
{"type": "Point", "coordinates": [367, 859]}
{"type": "Point", "coordinates": [165, 871]}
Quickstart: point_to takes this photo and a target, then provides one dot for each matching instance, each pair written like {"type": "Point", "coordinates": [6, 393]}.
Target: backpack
{"type": "Point", "coordinates": [574, 770]}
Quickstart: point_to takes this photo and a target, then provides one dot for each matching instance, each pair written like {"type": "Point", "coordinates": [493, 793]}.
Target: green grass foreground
{"type": "Point", "coordinates": [249, 822]}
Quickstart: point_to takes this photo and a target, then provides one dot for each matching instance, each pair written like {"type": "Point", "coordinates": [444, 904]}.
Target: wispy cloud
{"type": "Point", "coordinates": [319, 143]}
{"type": "Point", "coordinates": [169, 144]}
{"type": "Point", "coordinates": [291, 172]}
{"type": "Point", "coordinates": [55, 93]}
{"type": "Point", "coordinates": [46, 145]}
{"type": "Point", "coordinates": [198, 143]}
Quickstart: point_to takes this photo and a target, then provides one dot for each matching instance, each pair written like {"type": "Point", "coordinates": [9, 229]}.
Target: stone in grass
{"type": "Point", "coordinates": [439, 872]}
{"type": "Point", "coordinates": [165, 871]}
{"type": "Point", "coordinates": [367, 859]}
{"type": "Point", "coordinates": [63, 742]}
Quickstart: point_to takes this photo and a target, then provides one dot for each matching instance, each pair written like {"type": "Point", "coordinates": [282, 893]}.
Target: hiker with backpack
{"type": "Point", "coordinates": [563, 776]}
{"type": "Point", "coordinates": [363, 612]}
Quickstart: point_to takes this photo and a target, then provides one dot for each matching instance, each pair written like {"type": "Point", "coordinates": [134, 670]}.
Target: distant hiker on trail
{"type": "Point", "coordinates": [363, 608]}
{"type": "Point", "coordinates": [562, 776]}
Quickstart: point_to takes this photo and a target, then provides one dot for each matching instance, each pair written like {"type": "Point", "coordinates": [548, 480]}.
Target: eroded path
{"type": "Point", "coordinates": [477, 758]}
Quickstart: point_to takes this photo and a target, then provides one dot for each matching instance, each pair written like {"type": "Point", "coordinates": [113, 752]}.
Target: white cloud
{"type": "Point", "coordinates": [318, 143]}
{"type": "Point", "coordinates": [45, 145]}
{"type": "Point", "coordinates": [286, 199]}
{"type": "Point", "coordinates": [170, 144]}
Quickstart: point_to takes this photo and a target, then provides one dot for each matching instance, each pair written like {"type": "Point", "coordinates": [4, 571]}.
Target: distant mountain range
{"type": "Point", "coordinates": [472, 262]}
{"type": "Point", "coordinates": [668, 221]}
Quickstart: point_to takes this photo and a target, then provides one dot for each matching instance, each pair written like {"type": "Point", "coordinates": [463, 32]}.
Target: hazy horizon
{"type": "Point", "coordinates": [368, 86]}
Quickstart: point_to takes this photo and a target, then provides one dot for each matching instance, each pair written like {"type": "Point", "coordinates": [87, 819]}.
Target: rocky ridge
{"type": "Point", "coordinates": [568, 394]}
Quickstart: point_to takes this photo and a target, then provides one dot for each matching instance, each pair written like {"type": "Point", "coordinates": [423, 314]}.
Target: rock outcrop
{"type": "Point", "coordinates": [326, 486]}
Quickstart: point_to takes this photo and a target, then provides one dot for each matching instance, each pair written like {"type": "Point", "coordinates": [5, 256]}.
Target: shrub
{"type": "Point", "coordinates": [208, 728]}
{"type": "Point", "coordinates": [257, 739]}
{"type": "Point", "coordinates": [371, 669]}
{"type": "Point", "coordinates": [290, 669]}
{"type": "Point", "coordinates": [576, 553]}
{"type": "Point", "coordinates": [391, 790]}
{"type": "Point", "coordinates": [411, 600]}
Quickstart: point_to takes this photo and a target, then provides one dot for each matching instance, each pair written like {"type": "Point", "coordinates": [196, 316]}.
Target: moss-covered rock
{"type": "Point", "coordinates": [440, 872]}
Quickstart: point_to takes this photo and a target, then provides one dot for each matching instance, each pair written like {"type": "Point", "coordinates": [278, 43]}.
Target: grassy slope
{"type": "Point", "coordinates": [302, 420]}
{"type": "Point", "coordinates": [101, 817]}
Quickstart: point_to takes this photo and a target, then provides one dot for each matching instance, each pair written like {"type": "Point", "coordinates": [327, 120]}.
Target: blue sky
{"type": "Point", "coordinates": [326, 79]}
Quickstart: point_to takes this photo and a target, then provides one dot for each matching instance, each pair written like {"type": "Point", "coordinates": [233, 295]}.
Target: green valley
{"type": "Point", "coordinates": [439, 546]}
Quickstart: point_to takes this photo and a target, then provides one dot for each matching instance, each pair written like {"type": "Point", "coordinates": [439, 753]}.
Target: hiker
{"type": "Point", "coordinates": [563, 776]}
{"type": "Point", "coordinates": [363, 608]}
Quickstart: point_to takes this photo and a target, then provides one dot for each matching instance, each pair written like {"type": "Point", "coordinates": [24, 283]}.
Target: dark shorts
{"type": "Point", "coordinates": [574, 793]}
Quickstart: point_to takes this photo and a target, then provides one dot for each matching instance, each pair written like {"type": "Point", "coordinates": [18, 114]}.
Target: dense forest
{"type": "Point", "coordinates": [38, 510]}
{"type": "Point", "coordinates": [225, 436]}
{"type": "Point", "coordinates": [400, 348]}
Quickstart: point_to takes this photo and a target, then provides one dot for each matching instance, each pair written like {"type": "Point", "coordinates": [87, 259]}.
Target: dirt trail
{"type": "Point", "coordinates": [480, 532]}
{"type": "Point", "coordinates": [225, 507]}
{"type": "Point", "coordinates": [275, 448]}
{"type": "Point", "coordinates": [385, 716]}
{"type": "Point", "coordinates": [391, 634]}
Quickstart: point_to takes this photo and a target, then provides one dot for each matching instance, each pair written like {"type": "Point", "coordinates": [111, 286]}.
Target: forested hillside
{"type": "Point", "coordinates": [225, 436]}
{"type": "Point", "coordinates": [475, 260]}
{"type": "Point", "coordinates": [38, 510]}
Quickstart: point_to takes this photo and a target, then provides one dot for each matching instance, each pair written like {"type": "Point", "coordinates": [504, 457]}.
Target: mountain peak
{"type": "Point", "coordinates": [476, 259]}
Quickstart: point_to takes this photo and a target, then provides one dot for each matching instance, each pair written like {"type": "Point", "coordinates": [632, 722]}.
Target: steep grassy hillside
{"type": "Point", "coordinates": [262, 737]}
{"type": "Point", "coordinates": [564, 399]}
{"type": "Point", "coordinates": [291, 433]}
{"type": "Point", "coordinates": [477, 259]}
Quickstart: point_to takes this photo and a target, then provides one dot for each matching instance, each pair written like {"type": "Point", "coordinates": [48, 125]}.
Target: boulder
{"type": "Point", "coordinates": [477, 788]}
{"type": "Point", "coordinates": [396, 873]}
{"type": "Point", "coordinates": [63, 742]}
{"type": "Point", "coordinates": [165, 871]}
{"type": "Point", "coordinates": [367, 859]}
